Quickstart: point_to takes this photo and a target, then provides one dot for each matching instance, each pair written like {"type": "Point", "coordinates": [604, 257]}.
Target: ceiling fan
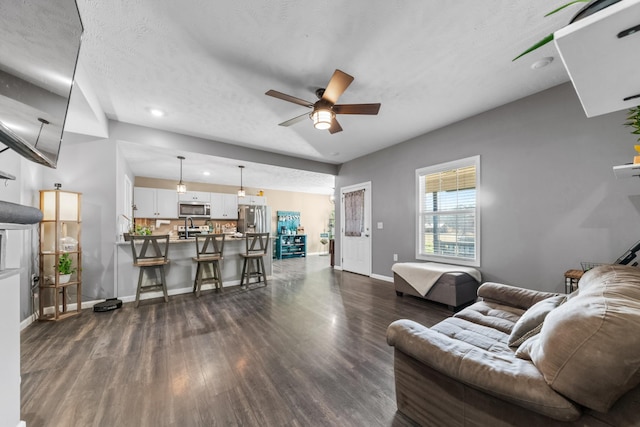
{"type": "Point", "coordinates": [324, 110]}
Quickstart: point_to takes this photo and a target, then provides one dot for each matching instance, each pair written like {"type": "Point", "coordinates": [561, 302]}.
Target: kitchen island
{"type": "Point", "coordinates": [181, 270]}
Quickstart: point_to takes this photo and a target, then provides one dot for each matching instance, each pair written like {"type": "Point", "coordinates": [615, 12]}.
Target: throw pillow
{"type": "Point", "coordinates": [531, 321]}
{"type": "Point", "coordinates": [526, 348]}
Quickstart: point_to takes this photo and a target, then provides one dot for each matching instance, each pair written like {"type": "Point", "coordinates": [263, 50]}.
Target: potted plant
{"type": "Point", "coordinates": [592, 7]}
{"type": "Point", "coordinates": [65, 268]}
{"type": "Point", "coordinates": [633, 121]}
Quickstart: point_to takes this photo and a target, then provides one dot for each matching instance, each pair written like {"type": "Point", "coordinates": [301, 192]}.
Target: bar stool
{"type": "Point", "coordinates": [150, 253]}
{"type": "Point", "coordinates": [209, 249]}
{"type": "Point", "coordinates": [256, 249]}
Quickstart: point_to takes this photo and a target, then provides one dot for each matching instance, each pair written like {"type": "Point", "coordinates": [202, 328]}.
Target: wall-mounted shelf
{"type": "Point", "coordinates": [626, 171]}
{"type": "Point", "coordinates": [600, 55]}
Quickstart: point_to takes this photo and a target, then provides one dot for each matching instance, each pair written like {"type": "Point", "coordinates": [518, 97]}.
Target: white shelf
{"type": "Point", "coordinates": [603, 67]}
{"type": "Point", "coordinates": [626, 171]}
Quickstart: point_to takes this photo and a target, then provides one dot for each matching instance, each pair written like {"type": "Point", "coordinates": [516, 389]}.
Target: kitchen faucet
{"type": "Point", "coordinates": [187, 220]}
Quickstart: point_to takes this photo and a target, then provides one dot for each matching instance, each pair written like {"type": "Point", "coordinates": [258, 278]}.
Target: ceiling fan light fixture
{"type": "Point", "coordinates": [181, 188]}
{"type": "Point", "coordinates": [322, 118]}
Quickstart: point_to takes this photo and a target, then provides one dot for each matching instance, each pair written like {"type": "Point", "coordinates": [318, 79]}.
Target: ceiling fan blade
{"type": "Point", "coordinates": [289, 98]}
{"type": "Point", "coordinates": [295, 120]}
{"type": "Point", "coordinates": [339, 82]}
{"type": "Point", "coordinates": [335, 126]}
{"type": "Point", "coordinates": [356, 109]}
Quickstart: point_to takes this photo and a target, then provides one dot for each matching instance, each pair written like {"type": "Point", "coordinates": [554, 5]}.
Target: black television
{"type": "Point", "coordinates": [38, 57]}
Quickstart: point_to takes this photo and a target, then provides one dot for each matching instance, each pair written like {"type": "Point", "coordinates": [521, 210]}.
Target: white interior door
{"type": "Point", "coordinates": [356, 239]}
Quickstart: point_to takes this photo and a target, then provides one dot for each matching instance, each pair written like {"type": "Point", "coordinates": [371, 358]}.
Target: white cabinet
{"type": "Point", "coordinates": [224, 206]}
{"type": "Point", "coordinates": [600, 55]}
{"type": "Point", "coordinates": [155, 203]}
{"type": "Point", "coordinates": [252, 200]}
{"type": "Point", "coordinates": [195, 196]}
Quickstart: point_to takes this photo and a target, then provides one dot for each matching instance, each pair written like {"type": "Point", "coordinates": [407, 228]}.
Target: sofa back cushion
{"type": "Point", "coordinates": [589, 347]}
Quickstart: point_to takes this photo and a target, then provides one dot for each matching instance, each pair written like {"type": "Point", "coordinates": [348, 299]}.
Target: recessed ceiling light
{"type": "Point", "coordinates": [156, 112]}
{"type": "Point", "coordinates": [207, 173]}
{"type": "Point", "coordinates": [542, 63]}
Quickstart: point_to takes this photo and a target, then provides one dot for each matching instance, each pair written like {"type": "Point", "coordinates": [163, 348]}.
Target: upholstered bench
{"type": "Point", "coordinates": [455, 286]}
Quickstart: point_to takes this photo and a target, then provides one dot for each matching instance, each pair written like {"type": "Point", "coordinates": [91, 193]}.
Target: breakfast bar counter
{"type": "Point", "coordinates": [181, 270]}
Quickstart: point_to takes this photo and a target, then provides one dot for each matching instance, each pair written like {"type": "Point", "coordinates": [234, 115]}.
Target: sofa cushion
{"type": "Point", "coordinates": [492, 314]}
{"type": "Point", "coordinates": [589, 347]}
{"type": "Point", "coordinates": [501, 375]}
{"type": "Point", "coordinates": [531, 320]}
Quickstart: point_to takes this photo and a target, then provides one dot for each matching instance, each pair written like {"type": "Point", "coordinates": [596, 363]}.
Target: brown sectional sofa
{"type": "Point", "coordinates": [573, 360]}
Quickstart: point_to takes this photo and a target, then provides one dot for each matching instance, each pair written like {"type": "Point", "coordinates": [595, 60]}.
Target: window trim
{"type": "Point", "coordinates": [441, 167]}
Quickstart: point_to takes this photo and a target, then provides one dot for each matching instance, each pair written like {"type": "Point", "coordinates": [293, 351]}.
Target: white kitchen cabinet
{"type": "Point", "coordinates": [600, 55]}
{"type": "Point", "coordinates": [195, 196]}
{"type": "Point", "coordinates": [252, 200]}
{"type": "Point", "coordinates": [224, 206]}
{"type": "Point", "coordinates": [154, 203]}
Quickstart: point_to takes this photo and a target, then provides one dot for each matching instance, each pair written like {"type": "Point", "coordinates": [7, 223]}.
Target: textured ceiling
{"type": "Point", "coordinates": [207, 64]}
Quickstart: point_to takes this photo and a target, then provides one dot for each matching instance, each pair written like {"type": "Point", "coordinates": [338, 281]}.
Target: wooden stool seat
{"type": "Point", "coordinates": [209, 253]}
{"type": "Point", "coordinates": [253, 265]}
{"type": "Point", "coordinates": [150, 254]}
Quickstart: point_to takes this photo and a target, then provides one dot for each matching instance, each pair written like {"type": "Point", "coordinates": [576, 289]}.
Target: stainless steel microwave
{"type": "Point", "coordinates": [194, 209]}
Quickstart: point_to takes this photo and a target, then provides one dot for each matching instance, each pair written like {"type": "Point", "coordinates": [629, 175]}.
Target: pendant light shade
{"type": "Point", "coordinates": [181, 187]}
{"type": "Point", "coordinates": [241, 192]}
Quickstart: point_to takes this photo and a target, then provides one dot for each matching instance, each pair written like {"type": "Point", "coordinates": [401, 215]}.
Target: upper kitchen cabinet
{"type": "Point", "coordinates": [224, 206]}
{"type": "Point", "coordinates": [252, 200]}
{"type": "Point", "coordinates": [195, 196]}
{"type": "Point", "coordinates": [600, 53]}
{"type": "Point", "coordinates": [154, 203]}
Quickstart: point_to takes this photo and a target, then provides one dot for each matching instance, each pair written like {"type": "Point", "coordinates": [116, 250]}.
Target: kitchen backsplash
{"type": "Point", "coordinates": [166, 226]}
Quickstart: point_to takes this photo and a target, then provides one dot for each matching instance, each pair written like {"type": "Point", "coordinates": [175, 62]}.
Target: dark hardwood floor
{"type": "Point", "coordinates": [307, 350]}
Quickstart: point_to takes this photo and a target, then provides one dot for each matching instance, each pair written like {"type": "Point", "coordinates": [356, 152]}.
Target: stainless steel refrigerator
{"type": "Point", "coordinates": [254, 219]}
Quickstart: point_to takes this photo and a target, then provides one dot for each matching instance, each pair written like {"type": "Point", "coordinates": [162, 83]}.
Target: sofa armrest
{"type": "Point", "coordinates": [506, 377]}
{"type": "Point", "coordinates": [512, 295]}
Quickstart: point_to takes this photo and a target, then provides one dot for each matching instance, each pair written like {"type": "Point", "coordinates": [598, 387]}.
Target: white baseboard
{"type": "Point", "coordinates": [337, 267]}
{"type": "Point", "coordinates": [131, 298]}
{"type": "Point", "coordinates": [381, 277]}
{"type": "Point", "coordinates": [22, 424]}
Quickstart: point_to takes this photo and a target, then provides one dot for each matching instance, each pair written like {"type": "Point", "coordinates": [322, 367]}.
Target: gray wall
{"type": "Point", "coordinates": [89, 167]}
{"type": "Point", "coordinates": [549, 197]}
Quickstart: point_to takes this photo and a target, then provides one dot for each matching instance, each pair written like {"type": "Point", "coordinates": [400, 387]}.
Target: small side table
{"type": "Point", "coordinates": [571, 279]}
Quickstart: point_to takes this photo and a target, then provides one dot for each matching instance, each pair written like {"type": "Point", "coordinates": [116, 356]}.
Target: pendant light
{"type": "Point", "coordinates": [241, 192]}
{"type": "Point", "coordinates": [181, 187]}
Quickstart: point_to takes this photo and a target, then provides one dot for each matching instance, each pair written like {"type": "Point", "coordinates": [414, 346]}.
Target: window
{"type": "Point", "coordinates": [448, 226]}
